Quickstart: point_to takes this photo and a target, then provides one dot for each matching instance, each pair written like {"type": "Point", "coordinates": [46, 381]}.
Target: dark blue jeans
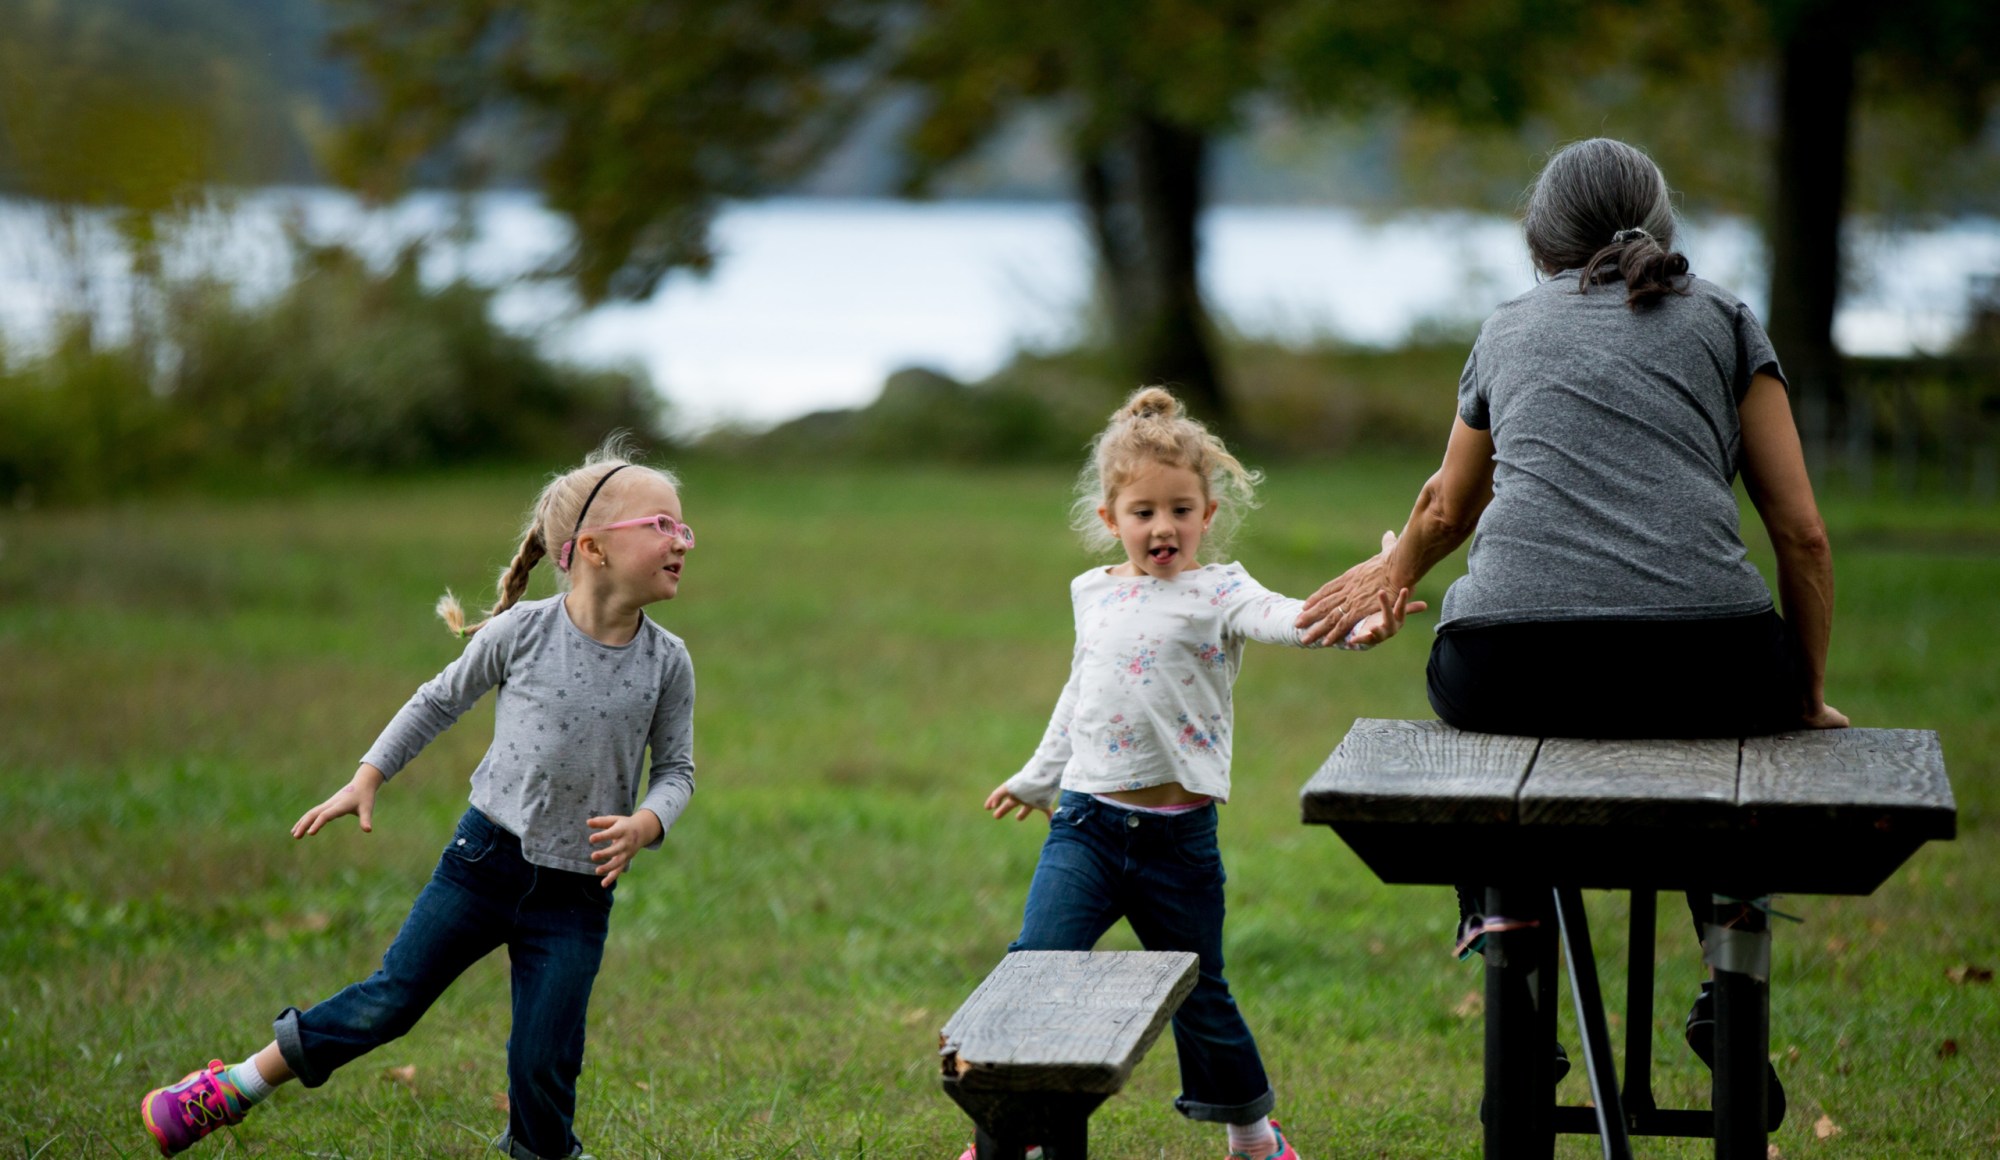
{"type": "Point", "coordinates": [483, 895]}
{"type": "Point", "coordinates": [1163, 874]}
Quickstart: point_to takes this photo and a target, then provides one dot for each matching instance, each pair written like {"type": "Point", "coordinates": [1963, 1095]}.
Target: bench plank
{"type": "Point", "coordinates": [1649, 784]}
{"type": "Point", "coordinates": [1418, 771]}
{"type": "Point", "coordinates": [1866, 767]}
{"type": "Point", "coordinates": [1064, 1021]}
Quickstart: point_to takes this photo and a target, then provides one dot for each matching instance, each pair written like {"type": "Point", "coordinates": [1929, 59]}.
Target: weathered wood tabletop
{"type": "Point", "coordinates": [1821, 812]}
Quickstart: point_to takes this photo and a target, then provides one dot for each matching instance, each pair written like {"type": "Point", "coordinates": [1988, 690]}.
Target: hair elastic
{"type": "Point", "coordinates": [1622, 237]}
{"type": "Point", "coordinates": [562, 558]}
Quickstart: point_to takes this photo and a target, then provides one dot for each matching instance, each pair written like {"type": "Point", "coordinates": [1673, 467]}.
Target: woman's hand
{"type": "Point", "coordinates": [618, 837]}
{"type": "Point", "coordinates": [1825, 716]}
{"type": "Point", "coordinates": [1333, 612]}
{"type": "Point", "coordinates": [1001, 802]}
{"type": "Point", "coordinates": [356, 797]}
{"type": "Point", "coordinates": [1379, 626]}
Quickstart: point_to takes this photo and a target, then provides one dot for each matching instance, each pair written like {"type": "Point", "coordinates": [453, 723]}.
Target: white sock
{"type": "Point", "coordinates": [250, 1082]}
{"type": "Point", "coordinates": [1254, 1140]}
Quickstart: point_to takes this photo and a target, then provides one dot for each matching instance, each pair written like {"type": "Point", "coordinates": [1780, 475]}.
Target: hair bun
{"type": "Point", "coordinates": [1150, 403]}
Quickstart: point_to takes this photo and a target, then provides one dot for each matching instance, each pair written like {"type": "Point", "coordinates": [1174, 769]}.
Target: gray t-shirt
{"type": "Point", "coordinates": [1616, 438]}
{"type": "Point", "coordinates": [572, 723]}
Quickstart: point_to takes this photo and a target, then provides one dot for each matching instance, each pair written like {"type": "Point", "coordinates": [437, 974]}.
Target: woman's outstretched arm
{"type": "Point", "coordinates": [1774, 473]}
{"type": "Point", "coordinates": [1447, 510]}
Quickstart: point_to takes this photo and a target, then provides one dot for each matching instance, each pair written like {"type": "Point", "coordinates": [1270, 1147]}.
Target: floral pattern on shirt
{"type": "Point", "coordinates": [1126, 594]}
{"type": "Point", "coordinates": [1226, 588]}
{"type": "Point", "coordinates": [1138, 664]}
{"type": "Point", "coordinates": [1201, 734]}
{"type": "Point", "coordinates": [1120, 736]}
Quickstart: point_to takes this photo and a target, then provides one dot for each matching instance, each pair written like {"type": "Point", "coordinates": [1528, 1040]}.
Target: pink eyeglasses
{"type": "Point", "coordinates": [663, 524]}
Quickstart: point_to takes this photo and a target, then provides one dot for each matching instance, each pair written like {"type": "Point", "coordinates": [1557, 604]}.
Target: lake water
{"type": "Point", "coordinates": [814, 302]}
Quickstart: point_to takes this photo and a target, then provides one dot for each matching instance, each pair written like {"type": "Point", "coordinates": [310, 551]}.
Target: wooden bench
{"type": "Point", "coordinates": [1049, 1036]}
{"type": "Point", "coordinates": [1536, 820]}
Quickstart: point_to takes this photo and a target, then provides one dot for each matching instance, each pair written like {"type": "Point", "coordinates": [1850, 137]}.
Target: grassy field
{"type": "Point", "coordinates": [181, 677]}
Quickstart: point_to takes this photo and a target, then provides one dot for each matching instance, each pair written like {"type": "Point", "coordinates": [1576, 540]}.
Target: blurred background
{"type": "Point", "coordinates": [300, 300]}
{"type": "Point", "coordinates": [368, 233]}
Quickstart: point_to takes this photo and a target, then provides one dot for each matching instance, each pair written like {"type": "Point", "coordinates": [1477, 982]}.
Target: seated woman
{"type": "Point", "coordinates": [1602, 417]}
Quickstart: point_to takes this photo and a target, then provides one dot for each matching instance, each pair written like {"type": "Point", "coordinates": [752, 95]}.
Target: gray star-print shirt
{"type": "Point", "coordinates": [573, 721]}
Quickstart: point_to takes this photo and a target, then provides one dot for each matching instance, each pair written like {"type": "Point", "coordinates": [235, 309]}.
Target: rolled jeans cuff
{"type": "Point", "coordinates": [1253, 1112]}
{"type": "Point", "coordinates": [285, 1029]}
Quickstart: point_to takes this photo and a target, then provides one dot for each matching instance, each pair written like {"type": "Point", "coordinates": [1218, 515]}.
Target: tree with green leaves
{"type": "Point", "coordinates": [640, 118]}
{"type": "Point", "coordinates": [646, 114]}
{"type": "Point", "coordinates": [1145, 88]}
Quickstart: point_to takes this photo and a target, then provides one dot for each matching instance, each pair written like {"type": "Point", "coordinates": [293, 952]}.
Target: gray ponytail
{"type": "Point", "coordinates": [1601, 205]}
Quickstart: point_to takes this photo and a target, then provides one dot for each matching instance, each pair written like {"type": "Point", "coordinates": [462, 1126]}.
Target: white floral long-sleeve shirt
{"type": "Point", "coordinates": [1148, 698]}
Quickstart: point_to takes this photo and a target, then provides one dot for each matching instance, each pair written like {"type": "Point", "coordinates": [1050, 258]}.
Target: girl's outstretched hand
{"type": "Point", "coordinates": [356, 797]}
{"type": "Point", "coordinates": [1000, 803]}
{"type": "Point", "coordinates": [1333, 613]}
{"type": "Point", "coordinates": [1377, 627]}
{"type": "Point", "coordinates": [618, 837]}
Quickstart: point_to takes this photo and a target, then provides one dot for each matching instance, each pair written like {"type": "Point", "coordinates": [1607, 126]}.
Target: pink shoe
{"type": "Point", "coordinates": [972, 1153]}
{"type": "Point", "coordinates": [1285, 1150]}
{"type": "Point", "coordinates": [183, 1113]}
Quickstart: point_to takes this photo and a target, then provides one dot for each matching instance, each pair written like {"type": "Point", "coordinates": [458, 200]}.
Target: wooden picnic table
{"type": "Point", "coordinates": [1539, 819]}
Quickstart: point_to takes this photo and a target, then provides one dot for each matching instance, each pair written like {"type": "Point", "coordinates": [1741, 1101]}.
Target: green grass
{"type": "Point", "coordinates": [180, 677]}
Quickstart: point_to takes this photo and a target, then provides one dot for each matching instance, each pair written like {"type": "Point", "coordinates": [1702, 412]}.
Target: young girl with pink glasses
{"type": "Point", "coordinates": [588, 685]}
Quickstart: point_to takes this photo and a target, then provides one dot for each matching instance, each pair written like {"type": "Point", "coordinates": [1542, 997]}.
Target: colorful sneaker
{"type": "Point", "coordinates": [1285, 1150]}
{"type": "Point", "coordinates": [183, 1113]}
{"type": "Point", "coordinates": [972, 1153]}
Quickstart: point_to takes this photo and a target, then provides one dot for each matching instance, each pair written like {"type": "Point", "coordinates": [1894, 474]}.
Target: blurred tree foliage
{"type": "Point", "coordinates": [350, 368]}
{"type": "Point", "coordinates": [643, 116]}
{"type": "Point", "coordinates": [128, 102]}
{"type": "Point", "coordinates": [648, 113]}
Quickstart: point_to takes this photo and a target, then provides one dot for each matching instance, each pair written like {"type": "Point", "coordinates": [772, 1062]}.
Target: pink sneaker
{"type": "Point", "coordinates": [1285, 1150]}
{"type": "Point", "coordinates": [183, 1113]}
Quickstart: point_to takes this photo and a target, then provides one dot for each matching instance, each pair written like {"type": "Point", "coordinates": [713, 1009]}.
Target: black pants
{"type": "Point", "coordinates": [1732, 677]}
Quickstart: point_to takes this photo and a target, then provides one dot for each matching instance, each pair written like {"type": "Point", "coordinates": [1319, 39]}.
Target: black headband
{"type": "Point", "coordinates": [573, 532]}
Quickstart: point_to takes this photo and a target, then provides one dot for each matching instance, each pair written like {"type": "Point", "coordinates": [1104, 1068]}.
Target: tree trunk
{"type": "Point", "coordinates": [1143, 197]}
{"type": "Point", "coordinates": [1816, 112]}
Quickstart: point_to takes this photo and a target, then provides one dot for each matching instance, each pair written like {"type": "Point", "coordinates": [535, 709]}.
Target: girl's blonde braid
{"type": "Point", "coordinates": [513, 585]}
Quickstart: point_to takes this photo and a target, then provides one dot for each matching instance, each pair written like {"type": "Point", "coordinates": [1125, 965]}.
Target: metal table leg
{"type": "Point", "coordinates": [1739, 948]}
{"type": "Point", "coordinates": [1520, 1025]}
{"type": "Point", "coordinates": [1584, 991]}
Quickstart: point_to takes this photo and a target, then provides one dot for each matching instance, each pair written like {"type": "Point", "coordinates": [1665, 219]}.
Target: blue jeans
{"type": "Point", "coordinates": [484, 894]}
{"type": "Point", "coordinates": [1163, 874]}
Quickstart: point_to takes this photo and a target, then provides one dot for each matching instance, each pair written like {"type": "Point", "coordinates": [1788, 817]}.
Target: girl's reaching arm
{"type": "Point", "coordinates": [444, 698]}
{"type": "Point", "coordinates": [1257, 613]}
{"type": "Point", "coordinates": [615, 838]}
{"type": "Point", "coordinates": [1039, 783]}
{"type": "Point", "coordinates": [429, 712]}
{"type": "Point", "coordinates": [670, 783]}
